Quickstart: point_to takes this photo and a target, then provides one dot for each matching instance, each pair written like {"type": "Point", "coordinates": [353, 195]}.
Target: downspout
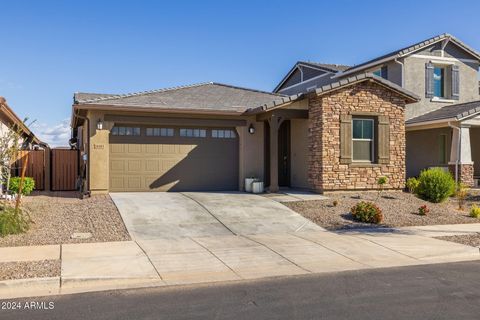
{"type": "Point", "coordinates": [88, 149]}
{"type": "Point", "coordinates": [402, 66]}
{"type": "Point", "coordinates": [458, 149]}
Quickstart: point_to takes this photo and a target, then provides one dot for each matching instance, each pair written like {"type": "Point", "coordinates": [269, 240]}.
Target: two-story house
{"type": "Point", "coordinates": [325, 127]}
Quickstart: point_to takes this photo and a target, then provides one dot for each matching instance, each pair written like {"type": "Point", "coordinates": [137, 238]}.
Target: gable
{"type": "Point", "coordinates": [299, 73]}
{"type": "Point", "coordinates": [451, 50]}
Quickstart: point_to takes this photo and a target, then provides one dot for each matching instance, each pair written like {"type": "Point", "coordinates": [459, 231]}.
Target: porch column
{"type": "Point", "coordinates": [461, 164]}
{"type": "Point", "coordinates": [274, 122]}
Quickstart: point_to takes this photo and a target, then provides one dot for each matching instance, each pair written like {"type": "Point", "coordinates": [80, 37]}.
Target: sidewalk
{"type": "Point", "coordinates": [129, 264]}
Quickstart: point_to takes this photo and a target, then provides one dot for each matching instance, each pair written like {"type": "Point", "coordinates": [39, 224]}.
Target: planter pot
{"type": "Point", "coordinates": [257, 187]}
{"type": "Point", "coordinates": [248, 184]}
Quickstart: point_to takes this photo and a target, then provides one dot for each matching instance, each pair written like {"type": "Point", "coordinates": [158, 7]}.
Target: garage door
{"type": "Point", "coordinates": [173, 159]}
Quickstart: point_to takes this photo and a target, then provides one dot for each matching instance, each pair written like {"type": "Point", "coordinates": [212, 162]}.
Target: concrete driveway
{"type": "Point", "coordinates": [165, 215]}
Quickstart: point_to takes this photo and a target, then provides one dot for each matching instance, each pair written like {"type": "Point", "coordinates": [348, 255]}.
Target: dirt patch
{"type": "Point", "coordinates": [56, 216]}
{"type": "Point", "coordinates": [466, 239]}
{"type": "Point", "coordinates": [29, 269]}
{"type": "Point", "coordinates": [399, 209]}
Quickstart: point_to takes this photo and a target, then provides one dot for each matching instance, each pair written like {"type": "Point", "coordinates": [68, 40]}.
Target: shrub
{"type": "Point", "coordinates": [423, 210]}
{"type": "Point", "coordinates": [461, 195]}
{"type": "Point", "coordinates": [412, 184]}
{"type": "Point", "coordinates": [335, 203]}
{"type": "Point", "coordinates": [367, 212]}
{"type": "Point", "coordinates": [475, 212]}
{"type": "Point", "coordinates": [12, 222]}
{"type": "Point", "coordinates": [435, 185]}
{"type": "Point", "coordinates": [28, 185]}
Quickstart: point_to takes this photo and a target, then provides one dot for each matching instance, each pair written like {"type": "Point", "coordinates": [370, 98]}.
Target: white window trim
{"type": "Point", "coordinates": [372, 140]}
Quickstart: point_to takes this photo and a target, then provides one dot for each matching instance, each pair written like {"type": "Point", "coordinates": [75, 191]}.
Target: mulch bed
{"type": "Point", "coordinates": [467, 239]}
{"type": "Point", "coordinates": [399, 209]}
{"type": "Point", "coordinates": [56, 216]}
{"type": "Point", "coordinates": [29, 269]}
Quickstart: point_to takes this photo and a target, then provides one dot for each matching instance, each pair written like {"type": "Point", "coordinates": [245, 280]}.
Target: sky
{"type": "Point", "coordinates": [51, 49]}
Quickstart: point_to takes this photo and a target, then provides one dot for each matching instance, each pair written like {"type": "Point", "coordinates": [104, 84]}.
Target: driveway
{"type": "Point", "coordinates": [166, 215]}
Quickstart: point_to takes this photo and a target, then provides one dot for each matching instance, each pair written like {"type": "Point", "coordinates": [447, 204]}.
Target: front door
{"type": "Point", "coordinates": [284, 154]}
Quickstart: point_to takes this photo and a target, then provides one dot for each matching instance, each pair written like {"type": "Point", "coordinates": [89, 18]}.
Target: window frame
{"type": "Point", "coordinates": [122, 131]}
{"type": "Point", "coordinates": [169, 132]}
{"type": "Point", "coordinates": [221, 134]}
{"type": "Point", "coordinates": [202, 133]}
{"type": "Point", "coordinates": [371, 140]}
{"type": "Point", "coordinates": [443, 86]}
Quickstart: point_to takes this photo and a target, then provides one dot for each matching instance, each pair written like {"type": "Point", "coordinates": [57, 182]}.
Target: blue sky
{"type": "Point", "coordinates": [51, 49]}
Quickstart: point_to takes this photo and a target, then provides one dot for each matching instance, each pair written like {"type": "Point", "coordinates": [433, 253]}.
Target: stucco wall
{"type": "Point", "coordinates": [325, 170]}
{"type": "Point", "coordinates": [99, 153]}
{"type": "Point", "coordinates": [415, 81]}
{"type": "Point", "coordinates": [423, 149]}
{"type": "Point", "coordinates": [299, 153]}
{"type": "Point", "coordinates": [475, 147]}
{"type": "Point", "coordinates": [251, 152]}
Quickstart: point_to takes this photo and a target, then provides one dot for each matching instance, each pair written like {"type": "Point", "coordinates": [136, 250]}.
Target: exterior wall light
{"type": "Point", "coordinates": [251, 129]}
{"type": "Point", "coordinates": [99, 124]}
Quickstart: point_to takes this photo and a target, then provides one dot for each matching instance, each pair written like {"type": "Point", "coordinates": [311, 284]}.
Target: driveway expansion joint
{"type": "Point", "coordinates": [149, 260]}
{"type": "Point", "coordinates": [381, 245]}
{"type": "Point", "coordinates": [209, 212]}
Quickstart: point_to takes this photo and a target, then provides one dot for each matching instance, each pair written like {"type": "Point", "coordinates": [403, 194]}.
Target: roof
{"type": "Point", "coordinates": [367, 77]}
{"type": "Point", "coordinates": [208, 96]}
{"type": "Point", "coordinates": [412, 97]}
{"type": "Point", "coordinates": [328, 67]}
{"type": "Point", "coordinates": [410, 49]}
{"type": "Point", "coordinates": [14, 120]}
{"type": "Point", "coordinates": [454, 112]}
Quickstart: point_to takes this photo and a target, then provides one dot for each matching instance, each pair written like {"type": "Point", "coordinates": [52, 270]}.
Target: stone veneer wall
{"type": "Point", "coordinates": [326, 173]}
{"type": "Point", "coordinates": [465, 173]}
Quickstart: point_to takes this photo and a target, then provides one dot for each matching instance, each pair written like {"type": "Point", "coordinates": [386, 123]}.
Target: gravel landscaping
{"type": "Point", "coordinates": [57, 216]}
{"type": "Point", "coordinates": [467, 239]}
{"type": "Point", "coordinates": [29, 269]}
{"type": "Point", "coordinates": [399, 209]}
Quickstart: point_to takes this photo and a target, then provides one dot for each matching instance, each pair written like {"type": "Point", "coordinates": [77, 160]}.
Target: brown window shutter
{"type": "Point", "coordinates": [345, 138]}
{"type": "Point", "coordinates": [383, 140]}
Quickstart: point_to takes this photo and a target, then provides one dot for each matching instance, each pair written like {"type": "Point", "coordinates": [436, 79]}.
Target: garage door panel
{"type": "Point", "coordinates": [173, 164]}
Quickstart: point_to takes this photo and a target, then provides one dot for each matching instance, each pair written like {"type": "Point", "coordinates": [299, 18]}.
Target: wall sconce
{"type": "Point", "coordinates": [251, 129]}
{"type": "Point", "coordinates": [99, 124]}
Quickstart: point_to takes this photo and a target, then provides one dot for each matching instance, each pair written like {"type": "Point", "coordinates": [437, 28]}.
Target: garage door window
{"type": "Point", "coordinates": [159, 132]}
{"type": "Point", "coordinates": [223, 134]}
{"type": "Point", "coordinates": [193, 133]}
{"type": "Point", "coordinates": [125, 131]}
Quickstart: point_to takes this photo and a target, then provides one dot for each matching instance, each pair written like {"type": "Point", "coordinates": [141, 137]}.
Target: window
{"type": "Point", "coordinates": [125, 131]}
{"type": "Point", "coordinates": [363, 139]}
{"type": "Point", "coordinates": [381, 72]}
{"type": "Point", "coordinates": [160, 132]}
{"type": "Point", "coordinates": [439, 82]}
{"type": "Point", "coordinates": [193, 133]}
{"type": "Point", "coordinates": [223, 134]}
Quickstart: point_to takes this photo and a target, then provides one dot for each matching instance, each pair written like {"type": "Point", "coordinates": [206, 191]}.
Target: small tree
{"type": "Point", "coordinates": [381, 182]}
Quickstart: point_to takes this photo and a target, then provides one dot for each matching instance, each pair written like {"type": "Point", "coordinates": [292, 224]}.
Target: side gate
{"type": "Point", "coordinates": [64, 169]}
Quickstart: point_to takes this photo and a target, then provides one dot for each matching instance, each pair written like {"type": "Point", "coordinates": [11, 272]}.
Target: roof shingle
{"type": "Point", "coordinates": [456, 111]}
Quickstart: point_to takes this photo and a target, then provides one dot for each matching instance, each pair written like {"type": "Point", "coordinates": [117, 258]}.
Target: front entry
{"type": "Point", "coordinates": [284, 154]}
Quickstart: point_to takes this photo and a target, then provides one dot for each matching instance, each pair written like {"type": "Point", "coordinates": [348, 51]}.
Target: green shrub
{"type": "Point", "coordinates": [435, 185]}
{"type": "Point", "coordinates": [423, 210]}
{"type": "Point", "coordinates": [367, 212]}
{"type": "Point", "coordinates": [11, 222]}
{"type": "Point", "coordinates": [475, 212]}
{"type": "Point", "coordinates": [412, 184]}
{"type": "Point", "coordinates": [28, 185]}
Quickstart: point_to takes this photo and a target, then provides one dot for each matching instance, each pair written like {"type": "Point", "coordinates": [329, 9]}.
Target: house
{"type": "Point", "coordinates": [9, 120]}
{"type": "Point", "coordinates": [324, 127]}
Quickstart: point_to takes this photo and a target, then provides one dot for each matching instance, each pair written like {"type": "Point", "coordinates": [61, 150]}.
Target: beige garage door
{"type": "Point", "coordinates": [173, 159]}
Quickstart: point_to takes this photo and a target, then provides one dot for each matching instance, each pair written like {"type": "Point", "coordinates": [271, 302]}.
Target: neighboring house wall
{"type": "Point", "coordinates": [326, 172]}
{"type": "Point", "coordinates": [427, 148]}
{"type": "Point", "coordinates": [251, 152]}
{"type": "Point", "coordinates": [299, 153]}
{"type": "Point", "coordinates": [475, 147]}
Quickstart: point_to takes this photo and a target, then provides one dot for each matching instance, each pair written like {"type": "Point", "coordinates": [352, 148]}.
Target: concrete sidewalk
{"type": "Point", "coordinates": [189, 260]}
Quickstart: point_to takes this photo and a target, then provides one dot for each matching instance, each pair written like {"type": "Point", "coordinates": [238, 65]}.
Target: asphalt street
{"type": "Point", "coordinates": [442, 291]}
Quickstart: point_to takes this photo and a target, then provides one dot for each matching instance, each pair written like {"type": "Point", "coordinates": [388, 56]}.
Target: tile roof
{"type": "Point", "coordinates": [407, 50]}
{"type": "Point", "coordinates": [326, 66]}
{"type": "Point", "coordinates": [203, 96]}
{"type": "Point", "coordinates": [455, 112]}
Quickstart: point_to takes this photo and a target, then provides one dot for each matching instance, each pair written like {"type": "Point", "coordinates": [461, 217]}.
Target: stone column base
{"type": "Point", "coordinates": [465, 173]}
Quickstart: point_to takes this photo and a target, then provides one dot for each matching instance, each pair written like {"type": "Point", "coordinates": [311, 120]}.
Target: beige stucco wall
{"type": "Point", "coordinates": [423, 149]}
{"type": "Point", "coordinates": [99, 153]}
{"type": "Point", "coordinates": [251, 152]}
{"type": "Point", "coordinates": [299, 153]}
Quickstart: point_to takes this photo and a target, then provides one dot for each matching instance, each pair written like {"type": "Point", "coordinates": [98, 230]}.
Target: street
{"type": "Point", "coordinates": [442, 291]}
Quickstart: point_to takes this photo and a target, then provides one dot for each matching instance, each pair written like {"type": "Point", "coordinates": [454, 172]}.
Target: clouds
{"type": "Point", "coordinates": [56, 136]}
